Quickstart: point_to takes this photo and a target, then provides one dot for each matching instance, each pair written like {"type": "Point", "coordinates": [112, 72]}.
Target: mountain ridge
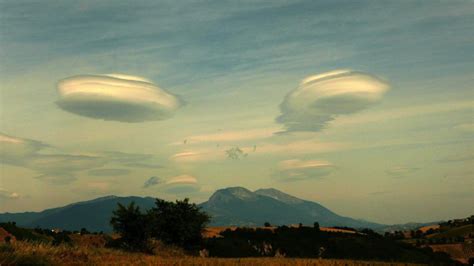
{"type": "Point", "coordinates": [228, 206]}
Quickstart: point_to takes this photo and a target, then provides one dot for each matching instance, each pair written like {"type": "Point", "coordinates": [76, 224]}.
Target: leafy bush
{"type": "Point", "coordinates": [179, 223]}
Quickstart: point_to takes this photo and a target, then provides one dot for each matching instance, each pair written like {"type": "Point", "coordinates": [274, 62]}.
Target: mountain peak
{"type": "Point", "coordinates": [230, 193]}
{"type": "Point", "coordinates": [278, 195]}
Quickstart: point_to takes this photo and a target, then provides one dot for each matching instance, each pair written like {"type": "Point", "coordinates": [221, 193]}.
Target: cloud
{"type": "Point", "coordinates": [295, 169]}
{"type": "Point", "coordinates": [16, 150]}
{"type": "Point", "coordinates": [229, 136]}
{"type": "Point", "coordinates": [182, 184]}
{"type": "Point", "coordinates": [5, 194]}
{"type": "Point", "coordinates": [319, 99]}
{"type": "Point", "coordinates": [401, 171]}
{"type": "Point", "coordinates": [182, 179]}
{"type": "Point", "coordinates": [152, 181]}
{"type": "Point", "coordinates": [62, 168]}
{"type": "Point", "coordinates": [108, 172]}
{"type": "Point", "coordinates": [116, 97]}
{"type": "Point", "coordinates": [457, 158]}
{"type": "Point", "coordinates": [235, 153]}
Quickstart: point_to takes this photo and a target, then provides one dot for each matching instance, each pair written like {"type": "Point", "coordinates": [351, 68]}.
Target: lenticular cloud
{"type": "Point", "coordinates": [116, 97]}
{"type": "Point", "coordinates": [321, 98]}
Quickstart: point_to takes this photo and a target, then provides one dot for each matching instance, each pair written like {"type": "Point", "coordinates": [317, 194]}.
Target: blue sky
{"type": "Point", "coordinates": [395, 155]}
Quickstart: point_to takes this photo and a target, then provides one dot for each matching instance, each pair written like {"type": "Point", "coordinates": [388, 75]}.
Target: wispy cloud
{"type": "Point", "coordinates": [152, 181]}
{"type": "Point", "coordinates": [405, 112]}
{"type": "Point", "coordinates": [108, 172]}
{"type": "Point", "coordinates": [229, 136]}
{"type": "Point", "coordinates": [62, 168]}
{"type": "Point", "coordinates": [401, 171]}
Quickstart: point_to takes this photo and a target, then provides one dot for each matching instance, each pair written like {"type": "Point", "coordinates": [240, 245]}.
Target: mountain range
{"type": "Point", "coordinates": [230, 206]}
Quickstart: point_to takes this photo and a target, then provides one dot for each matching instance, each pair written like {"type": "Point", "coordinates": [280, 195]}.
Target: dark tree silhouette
{"type": "Point", "coordinates": [316, 226]}
{"type": "Point", "coordinates": [130, 223]}
{"type": "Point", "coordinates": [179, 223]}
{"type": "Point", "coordinates": [267, 224]}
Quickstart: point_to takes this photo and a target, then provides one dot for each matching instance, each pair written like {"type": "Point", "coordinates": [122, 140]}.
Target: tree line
{"type": "Point", "coordinates": [177, 223]}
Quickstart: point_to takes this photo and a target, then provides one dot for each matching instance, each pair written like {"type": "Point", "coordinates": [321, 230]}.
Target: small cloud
{"type": "Point", "coordinates": [152, 181]}
{"type": "Point", "coordinates": [295, 169]}
{"type": "Point", "coordinates": [116, 97]}
{"type": "Point", "coordinates": [182, 179]}
{"type": "Point", "coordinates": [5, 194]}
{"type": "Point", "coordinates": [235, 153]}
{"type": "Point", "coordinates": [182, 184]}
{"type": "Point", "coordinates": [108, 172]}
{"type": "Point", "coordinates": [401, 171]}
{"type": "Point", "coordinates": [319, 99]}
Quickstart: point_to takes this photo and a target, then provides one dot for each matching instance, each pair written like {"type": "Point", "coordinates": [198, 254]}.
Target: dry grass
{"type": "Point", "coordinates": [215, 231]}
{"type": "Point", "coordinates": [28, 253]}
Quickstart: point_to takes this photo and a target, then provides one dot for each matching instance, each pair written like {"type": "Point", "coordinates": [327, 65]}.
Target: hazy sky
{"type": "Point", "coordinates": [363, 106]}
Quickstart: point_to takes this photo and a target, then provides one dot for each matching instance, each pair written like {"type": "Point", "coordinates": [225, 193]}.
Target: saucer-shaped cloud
{"type": "Point", "coordinates": [182, 184]}
{"type": "Point", "coordinates": [321, 98]}
{"type": "Point", "coordinates": [295, 169]}
{"type": "Point", "coordinates": [116, 97]}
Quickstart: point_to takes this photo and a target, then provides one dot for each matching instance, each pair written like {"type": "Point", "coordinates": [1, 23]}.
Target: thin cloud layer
{"type": "Point", "coordinates": [108, 172]}
{"type": "Point", "coordinates": [319, 99]}
{"type": "Point", "coordinates": [62, 168]}
{"type": "Point", "coordinates": [116, 97]}
{"type": "Point", "coordinates": [295, 169]}
{"type": "Point", "coordinates": [401, 171]}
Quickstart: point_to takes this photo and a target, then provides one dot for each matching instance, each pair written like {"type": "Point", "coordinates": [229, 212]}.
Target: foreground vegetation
{"type": "Point", "coordinates": [172, 234]}
{"type": "Point", "coordinates": [27, 253]}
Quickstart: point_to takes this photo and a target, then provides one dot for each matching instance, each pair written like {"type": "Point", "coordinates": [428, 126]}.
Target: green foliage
{"type": "Point", "coordinates": [131, 224]}
{"type": "Point", "coordinates": [179, 223]}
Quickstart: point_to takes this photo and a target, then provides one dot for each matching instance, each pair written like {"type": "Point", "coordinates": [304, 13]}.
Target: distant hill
{"type": "Point", "coordinates": [241, 207]}
{"type": "Point", "coordinates": [94, 215]}
{"type": "Point", "coordinates": [230, 206]}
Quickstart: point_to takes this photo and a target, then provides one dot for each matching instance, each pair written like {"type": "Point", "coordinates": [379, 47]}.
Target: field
{"type": "Point", "coordinates": [215, 231]}
{"type": "Point", "coordinates": [21, 252]}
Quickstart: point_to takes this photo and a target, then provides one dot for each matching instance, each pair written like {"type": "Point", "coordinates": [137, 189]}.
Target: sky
{"type": "Point", "coordinates": [363, 106]}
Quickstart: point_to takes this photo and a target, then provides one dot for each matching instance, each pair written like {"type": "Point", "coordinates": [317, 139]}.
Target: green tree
{"type": "Point", "coordinates": [267, 224]}
{"type": "Point", "coordinates": [179, 223]}
{"type": "Point", "coordinates": [131, 224]}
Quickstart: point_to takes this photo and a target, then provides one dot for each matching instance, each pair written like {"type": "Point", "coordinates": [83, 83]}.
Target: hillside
{"type": "Point", "coordinates": [237, 206]}
{"type": "Point", "coordinates": [93, 215]}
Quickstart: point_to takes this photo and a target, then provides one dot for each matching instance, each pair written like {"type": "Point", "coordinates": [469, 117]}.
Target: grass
{"type": "Point", "coordinates": [27, 253]}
